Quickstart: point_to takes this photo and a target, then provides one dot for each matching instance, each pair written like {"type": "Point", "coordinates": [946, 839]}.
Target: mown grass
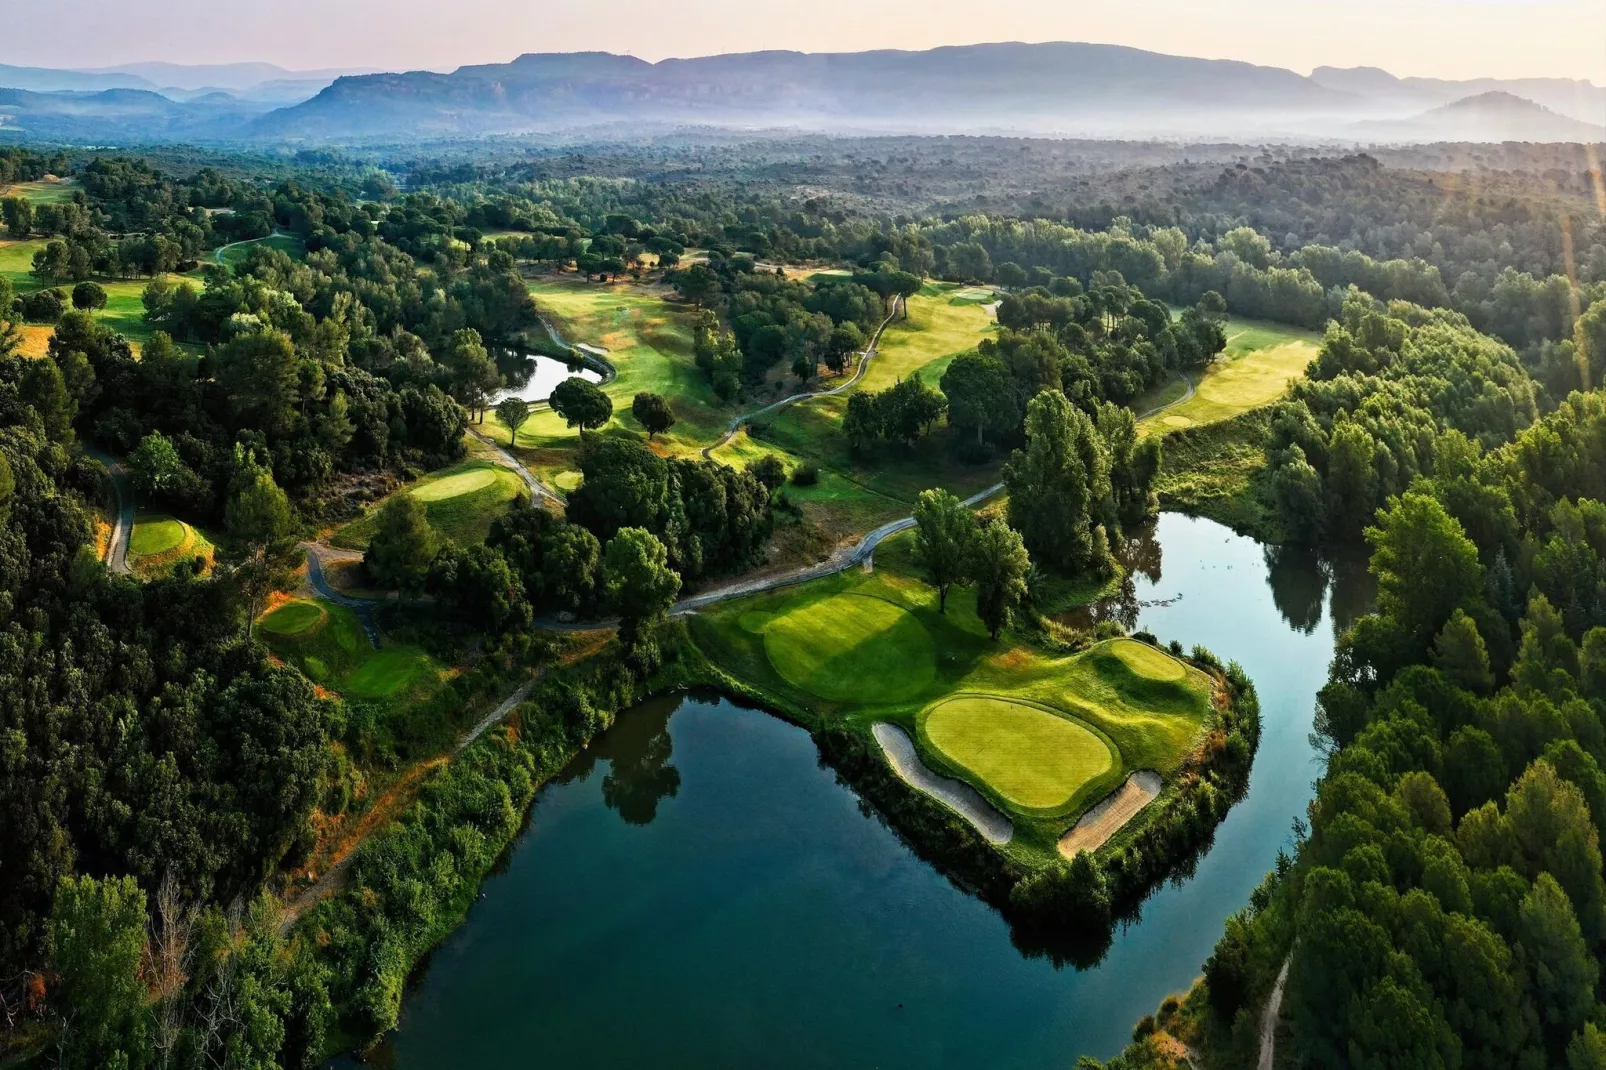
{"type": "Point", "coordinates": [158, 542]}
{"type": "Point", "coordinates": [1260, 361]}
{"type": "Point", "coordinates": [327, 643]}
{"type": "Point", "coordinates": [234, 255]}
{"type": "Point", "coordinates": [461, 502]}
{"type": "Point", "coordinates": [860, 647]}
{"type": "Point", "coordinates": [1033, 756]}
{"type": "Point", "coordinates": [43, 191]}
{"type": "Point", "coordinates": [124, 311]}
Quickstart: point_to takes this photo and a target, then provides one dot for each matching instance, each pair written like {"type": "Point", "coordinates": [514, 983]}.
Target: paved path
{"type": "Point", "coordinates": [123, 522]}
{"type": "Point", "coordinates": [361, 608]}
{"type": "Point", "coordinates": [1171, 404]}
{"type": "Point", "coordinates": [958, 796]}
{"type": "Point", "coordinates": [847, 384]}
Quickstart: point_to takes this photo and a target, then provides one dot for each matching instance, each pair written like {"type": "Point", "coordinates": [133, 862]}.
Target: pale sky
{"type": "Point", "coordinates": [1440, 38]}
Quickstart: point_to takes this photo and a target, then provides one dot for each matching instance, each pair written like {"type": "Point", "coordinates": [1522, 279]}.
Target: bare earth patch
{"type": "Point", "coordinates": [958, 796]}
{"type": "Point", "coordinates": [1111, 812]}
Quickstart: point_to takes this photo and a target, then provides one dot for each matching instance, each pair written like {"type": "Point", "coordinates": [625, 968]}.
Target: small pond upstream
{"type": "Point", "coordinates": [696, 891]}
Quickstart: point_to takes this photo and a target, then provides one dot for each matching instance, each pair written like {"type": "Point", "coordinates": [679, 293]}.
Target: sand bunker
{"type": "Point", "coordinates": [1111, 812]}
{"type": "Point", "coordinates": [958, 796]}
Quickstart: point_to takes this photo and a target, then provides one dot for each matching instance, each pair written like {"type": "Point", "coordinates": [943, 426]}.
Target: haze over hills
{"type": "Point", "coordinates": [1055, 89]}
{"type": "Point", "coordinates": [1491, 116]}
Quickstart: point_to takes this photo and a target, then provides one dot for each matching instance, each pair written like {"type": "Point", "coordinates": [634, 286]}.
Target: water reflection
{"type": "Point", "coordinates": [532, 378]}
{"type": "Point", "coordinates": [637, 749]}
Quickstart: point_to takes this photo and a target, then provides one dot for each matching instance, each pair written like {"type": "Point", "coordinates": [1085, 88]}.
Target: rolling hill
{"type": "Point", "coordinates": [1492, 116]}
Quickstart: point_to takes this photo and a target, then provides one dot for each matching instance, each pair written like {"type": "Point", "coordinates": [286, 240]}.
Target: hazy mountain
{"type": "Point", "coordinates": [47, 80]}
{"type": "Point", "coordinates": [1061, 88]}
{"type": "Point", "coordinates": [1567, 96]}
{"type": "Point", "coordinates": [122, 116]}
{"type": "Point", "coordinates": [231, 76]}
{"type": "Point", "coordinates": [1493, 116]}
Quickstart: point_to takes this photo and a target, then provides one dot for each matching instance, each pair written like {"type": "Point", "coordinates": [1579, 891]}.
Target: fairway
{"type": "Point", "coordinates": [327, 643]}
{"type": "Point", "coordinates": [389, 672]}
{"type": "Point", "coordinates": [1146, 661]}
{"type": "Point", "coordinates": [1035, 759]}
{"type": "Point", "coordinates": [1260, 360]}
{"type": "Point", "coordinates": [852, 647]}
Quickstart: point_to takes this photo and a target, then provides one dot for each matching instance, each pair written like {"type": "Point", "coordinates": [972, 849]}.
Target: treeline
{"type": "Point", "coordinates": [1447, 906]}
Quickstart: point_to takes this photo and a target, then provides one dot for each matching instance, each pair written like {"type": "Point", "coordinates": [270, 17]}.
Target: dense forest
{"type": "Point", "coordinates": [163, 771]}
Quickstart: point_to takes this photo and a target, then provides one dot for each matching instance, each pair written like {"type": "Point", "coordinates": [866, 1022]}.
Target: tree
{"type": "Point", "coordinates": [513, 413]}
{"type": "Point", "coordinates": [474, 374]}
{"type": "Point", "coordinates": [981, 395]}
{"type": "Point", "coordinates": [846, 339]}
{"type": "Point", "coordinates": [157, 467]}
{"type": "Point", "coordinates": [1426, 567]}
{"type": "Point", "coordinates": [403, 544]}
{"type": "Point", "coordinates": [770, 470]}
{"type": "Point", "coordinates": [581, 404]}
{"type": "Point", "coordinates": [87, 296]}
{"type": "Point", "coordinates": [10, 319]}
{"type": "Point", "coordinates": [96, 940]}
{"type": "Point", "coordinates": [45, 388]}
{"type": "Point", "coordinates": [652, 412]}
{"type": "Point", "coordinates": [944, 532]}
{"type": "Point", "coordinates": [259, 516]}
{"type": "Point", "coordinates": [697, 284]}
{"type": "Point", "coordinates": [998, 565]}
{"type": "Point", "coordinates": [478, 583]}
{"type": "Point", "coordinates": [18, 214]}
{"type": "Point", "coordinates": [1010, 275]}
{"type": "Point", "coordinates": [1460, 654]}
{"type": "Point", "coordinates": [639, 585]}
{"type": "Point", "coordinates": [1564, 971]}
{"type": "Point", "coordinates": [259, 374]}
{"type": "Point", "coordinates": [1058, 484]}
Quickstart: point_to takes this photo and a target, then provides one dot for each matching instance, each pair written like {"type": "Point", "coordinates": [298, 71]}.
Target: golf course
{"type": "Point", "coordinates": [461, 502]}
{"type": "Point", "coordinates": [1260, 360]}
{"type": "Point", "coordinates": [326, 642]}
{"type": "Point", "coordinates": [1041, 734]}
{"type": "Point", "coordinates": [159, 542]}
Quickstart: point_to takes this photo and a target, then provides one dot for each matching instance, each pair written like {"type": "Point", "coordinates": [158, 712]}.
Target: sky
{"type": "Point", "coordinates": [1435, 38]}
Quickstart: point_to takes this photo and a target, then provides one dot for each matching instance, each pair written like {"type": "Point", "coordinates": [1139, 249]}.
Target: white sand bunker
{"type": "Point", "coordinates": [1111, 812]}
{"type": "Point", "coordinates": [958, 796]}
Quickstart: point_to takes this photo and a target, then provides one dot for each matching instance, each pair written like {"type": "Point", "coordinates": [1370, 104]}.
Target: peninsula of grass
{"type": "Point", "coordinates": [461, 502]}
{"type": "Point", "coordinates": [327, 643]}
{"type": "Point", "coordinates": [1260, 360]}
{"type": "Point", "coordinates": [1042, 733]}
{"type": "Point", "coordinates": [158, 542]}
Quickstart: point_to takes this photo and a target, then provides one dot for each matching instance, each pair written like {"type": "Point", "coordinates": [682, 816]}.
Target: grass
{"type": "Point", "coordinates": [857, 648]}
{"type": "Point", "coordinates": [327, 643]}
{"type": "Point", "coordinates": [43, 191]}
{"type": "Point", "coordinates": [234, 255]}
{"type": "Point", "coordinates": [1260, 361]}
{"type": "Point", "coordinates": [1214, 471]}
{"type": "Point", "coordinates": [124, 311]}
{"type": "Point", "coordinates": [1033, 756]}
{"type": "Point", "coordinates": [461, 502]}
{"type": "Point", "coordinates": [158, 542]}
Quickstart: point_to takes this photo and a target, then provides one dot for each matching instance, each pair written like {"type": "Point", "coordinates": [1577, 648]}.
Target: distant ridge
{"type": "Point", "coordinates": [1571, 97]}
{"type": "Point", "coordinates": [1491, 116]}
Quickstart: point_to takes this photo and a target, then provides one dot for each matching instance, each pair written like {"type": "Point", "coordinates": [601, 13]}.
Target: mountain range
{"type": "Point", "coordinates": [1063, 89]}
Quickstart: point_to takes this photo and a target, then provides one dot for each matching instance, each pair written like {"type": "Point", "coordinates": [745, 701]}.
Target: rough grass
{"type": "Point", "coordinates": [1214, 471]}
{"type": "Point", "coordinates": [327, 643]}
{"type": "Point", "coordinates": [1260, 361]}
{"type": "Point", "coordinates": [1035, 757]}
{"type": "Point", "coordinates": [827, 652]}
{"type": "Point", "coordinates": [461, 501]}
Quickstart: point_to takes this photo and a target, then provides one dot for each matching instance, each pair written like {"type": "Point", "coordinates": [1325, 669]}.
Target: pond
{"type": "Point", "coordinates": [532, 377]}
{"type": "Point", "coordinates": [696, 891]}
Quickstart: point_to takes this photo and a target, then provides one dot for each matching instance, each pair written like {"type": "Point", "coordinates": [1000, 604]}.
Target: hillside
{"type": "Point", "coordinates": [1567, 96]}
{"type": "Point", "coordinates": [1492, 116]}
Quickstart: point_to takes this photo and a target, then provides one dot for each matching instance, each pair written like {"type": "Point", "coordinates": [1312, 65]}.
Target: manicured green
{"type": "Point", "coordinates": [1034, 757]}
{"type": "Point", "coordinates": [156, 535]}
{"type": "Point", "coordinates": [327, 642]}
{"type": "Point", "coordinates": [462, 502]}
{"type": "Point", "coordinates": [1260, 361]}
{"type": "Point", "coordinates": [390, 672]}
{"type": "Point", "coordinates": [293, 617]}
{"type": "Point", "coordinates": [42, 192]}
{"type": "Point", "coordinates": [852, 647]}
{"type": "Point", "coordinates": [159, 542]}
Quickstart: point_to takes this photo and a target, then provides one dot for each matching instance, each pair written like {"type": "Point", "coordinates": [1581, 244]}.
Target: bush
{"type": "Point", "coordinates": [42, 306]}
{"type": "Point", "coordinates": [806, 474]}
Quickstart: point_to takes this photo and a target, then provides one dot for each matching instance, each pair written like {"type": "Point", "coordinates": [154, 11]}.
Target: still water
{"type": "Point", "coordinates": [532, 378]}
{"type": "Point", "coordinates": [697, 892]}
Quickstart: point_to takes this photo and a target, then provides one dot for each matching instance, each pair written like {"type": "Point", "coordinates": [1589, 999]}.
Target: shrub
{"type": "Point", "coordinates": [806, 474]}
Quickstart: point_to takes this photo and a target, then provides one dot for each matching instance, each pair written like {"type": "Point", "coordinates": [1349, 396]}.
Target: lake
{"type": "Point", "coordinates": [532, 377]}
{"type": "Point", "coordinates": [696, 891]}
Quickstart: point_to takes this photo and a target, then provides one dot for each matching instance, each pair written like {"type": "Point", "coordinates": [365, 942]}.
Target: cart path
{"type": "Point", "coordinates": [1268, 1020]}
{"type": "Point", "coordinates": [123, 523]}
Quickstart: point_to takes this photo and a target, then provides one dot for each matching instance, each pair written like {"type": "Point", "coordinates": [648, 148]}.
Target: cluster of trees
{"type": "Point", "coordinates": [904, 412]}
{"type": "Point", "coordinates": [1447, 906]}
{"type": "Point", "coordinates": [955, 548]}
{"type": "Point", "coordinates": [1366, 419]}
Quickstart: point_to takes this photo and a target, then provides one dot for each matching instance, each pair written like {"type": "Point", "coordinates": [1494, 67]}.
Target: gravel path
{"type": "Point", "coordinates": [1268, 1020]}
{"type": "Point", "coordinates": [1171, 404]}
{"type": "Point", "coordinates": [1111, 812]}
{"type": "Point", "coordinates": [958, 796]}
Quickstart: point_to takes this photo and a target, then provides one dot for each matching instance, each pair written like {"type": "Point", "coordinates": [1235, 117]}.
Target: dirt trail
{"type": "Point", "coordinates": [1110, 813]}
{"type": "Point", "coordinates": [1268, 1019]}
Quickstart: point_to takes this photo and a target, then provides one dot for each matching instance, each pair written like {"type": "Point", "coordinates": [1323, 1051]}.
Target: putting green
{"type": "Point", "coordinates": [157, 535]}
{"type": "Point", "coordinates": [850, 647]}
{"type": "Point", "coordinates": [295, 617]}
{"type": "Point", "coordinates": [455, 486]}
{"type": "Point", "coordinates": [1033, 758]}
{"type": "Point", "coordinates": [1145, 660]}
